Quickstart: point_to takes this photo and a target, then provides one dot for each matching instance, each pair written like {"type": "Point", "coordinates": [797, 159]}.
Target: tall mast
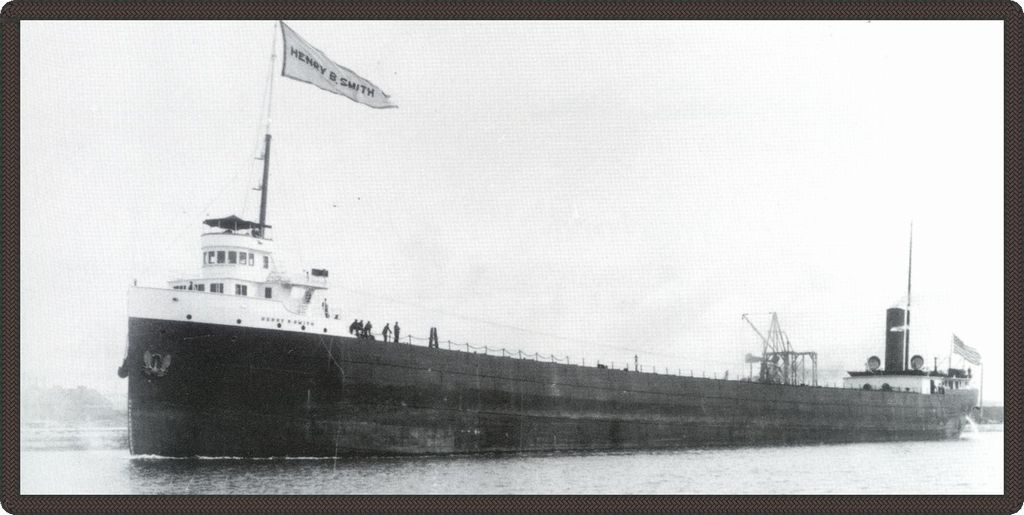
{"type": "Point", "coordinates": [906, 324]}
{"type": "Point", "coordinates": [263, 185]}
{"type": "Point", "coordinates": [266, 140]}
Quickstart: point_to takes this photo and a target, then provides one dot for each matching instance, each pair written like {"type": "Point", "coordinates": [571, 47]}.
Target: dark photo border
{"type": "Point", "coordinates": [1013, 44]}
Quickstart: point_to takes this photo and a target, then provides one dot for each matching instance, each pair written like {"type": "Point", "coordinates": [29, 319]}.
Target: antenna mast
{"type": "Point", "coordinates": [266, 141]}
{"type": "Point", "coordinates": [906, 321]}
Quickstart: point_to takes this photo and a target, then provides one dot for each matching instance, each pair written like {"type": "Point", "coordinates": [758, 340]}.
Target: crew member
{"type": "Point", "coordinates": [396, 332]}
{"type": "Point", "coordinates": [386, 332]}
{"type": "Point", "coordinates": [366, 329]}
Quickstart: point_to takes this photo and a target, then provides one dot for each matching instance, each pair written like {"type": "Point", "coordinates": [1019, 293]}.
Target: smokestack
{"type": "Point", "coordinates": [895, 326]}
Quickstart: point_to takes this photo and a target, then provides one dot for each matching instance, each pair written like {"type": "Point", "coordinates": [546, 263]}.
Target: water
{"type": "Point", "coordinates": [971, 465]}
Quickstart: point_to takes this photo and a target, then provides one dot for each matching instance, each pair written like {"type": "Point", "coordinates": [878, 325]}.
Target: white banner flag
{"type": "Point", "coordinates": [304, 62]}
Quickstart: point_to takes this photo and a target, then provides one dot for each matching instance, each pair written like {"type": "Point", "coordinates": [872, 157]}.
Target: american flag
{"type": "Point", "coordinates": [969, 353]}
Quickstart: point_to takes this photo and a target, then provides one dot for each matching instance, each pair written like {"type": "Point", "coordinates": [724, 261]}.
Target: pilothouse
{"type": "Point", "coordinates": [237, 259]}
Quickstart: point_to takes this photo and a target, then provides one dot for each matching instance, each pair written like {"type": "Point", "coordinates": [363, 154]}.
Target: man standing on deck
{"type": "Point", "coordinates": [366, 329]}
{"type": "Point", "coordinates": [396, 331]}
{"type": "Point", "coordinates": [386, 332]}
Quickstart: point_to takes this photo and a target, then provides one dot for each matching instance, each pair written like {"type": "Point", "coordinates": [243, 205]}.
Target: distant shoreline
{"type": "Point", "coordinates": [73, 438]}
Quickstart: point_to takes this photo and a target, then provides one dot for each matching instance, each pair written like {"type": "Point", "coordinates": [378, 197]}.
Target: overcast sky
{"type": "Point", "coordinates": [591, 189]}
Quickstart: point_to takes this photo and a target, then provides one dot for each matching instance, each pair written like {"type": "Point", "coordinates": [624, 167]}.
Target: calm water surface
{"type": "Point", "coordinates": [970, 465]}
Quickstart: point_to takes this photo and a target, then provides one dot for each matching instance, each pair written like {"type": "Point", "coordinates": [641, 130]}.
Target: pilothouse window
{"type": "Point", "coordinates": [220, 256]}
{"type": "Point", "coordinates": [209, 257]}
{"type": "Point", "coordinates": [266, 261]}
{"type": "Point", "coordinates": [252, 259]}
{"type": "Point", "coordinates": [216, 287]}
{"type": "Point", "coordinates": [241, 289]}
{"type": "Point", "coordinates": [232, 257]}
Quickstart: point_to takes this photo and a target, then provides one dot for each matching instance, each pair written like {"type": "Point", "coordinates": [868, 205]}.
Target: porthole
{"type": "Point", "coordinates": [325, 329]}
{"type": "Point", "coordinates": [239, 321]}
{"type": "Point", "coordinates": [278, 326]}
{"type": "Point", "coordinates": [303, 328]}
{"type": "Point", "coordinates": [188, 317]}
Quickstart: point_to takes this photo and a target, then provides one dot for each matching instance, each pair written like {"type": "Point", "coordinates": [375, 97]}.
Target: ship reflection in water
{"type": "Point", "coordinates": [863, 468]}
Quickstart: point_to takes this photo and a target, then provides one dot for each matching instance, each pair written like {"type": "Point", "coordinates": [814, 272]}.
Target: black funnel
{"type": "Point", "coordinates": [895, 318]}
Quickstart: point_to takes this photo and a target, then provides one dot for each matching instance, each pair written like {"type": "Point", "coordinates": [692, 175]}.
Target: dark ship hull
{"type": "Point", "coordinates": [229, 390]}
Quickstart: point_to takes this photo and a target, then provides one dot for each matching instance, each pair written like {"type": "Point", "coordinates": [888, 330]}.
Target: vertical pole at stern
{"type": "Point", "coordinates": [906, 319]}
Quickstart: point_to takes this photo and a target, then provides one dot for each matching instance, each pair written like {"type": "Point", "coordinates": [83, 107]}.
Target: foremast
{"type": "Point", "coordinates": [263, 185]}
{"type": "Point", "coordinates": [266, 138]}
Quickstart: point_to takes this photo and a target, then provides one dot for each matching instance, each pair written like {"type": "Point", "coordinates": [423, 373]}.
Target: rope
{"type": "Point", "coordinates": [433, 309]}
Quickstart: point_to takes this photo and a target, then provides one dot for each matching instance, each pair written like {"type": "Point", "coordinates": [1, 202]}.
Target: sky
{"type": "Point", "coordinates": [596, 190]}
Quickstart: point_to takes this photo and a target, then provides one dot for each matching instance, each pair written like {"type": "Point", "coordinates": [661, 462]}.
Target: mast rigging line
{"type": "Point", "coordinates": [270, 77]}
{"type": "Point", "coordinates": [512, 327]}
{"type": "Point", "coordinates": [264, 120]}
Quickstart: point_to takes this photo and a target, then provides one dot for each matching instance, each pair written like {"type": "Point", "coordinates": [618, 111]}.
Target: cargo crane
{"type": "Point", "coordinates": [780, 364]}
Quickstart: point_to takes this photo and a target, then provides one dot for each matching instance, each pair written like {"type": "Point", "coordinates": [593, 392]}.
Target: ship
{"type": "Point", "coordinates": [240, 360]}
